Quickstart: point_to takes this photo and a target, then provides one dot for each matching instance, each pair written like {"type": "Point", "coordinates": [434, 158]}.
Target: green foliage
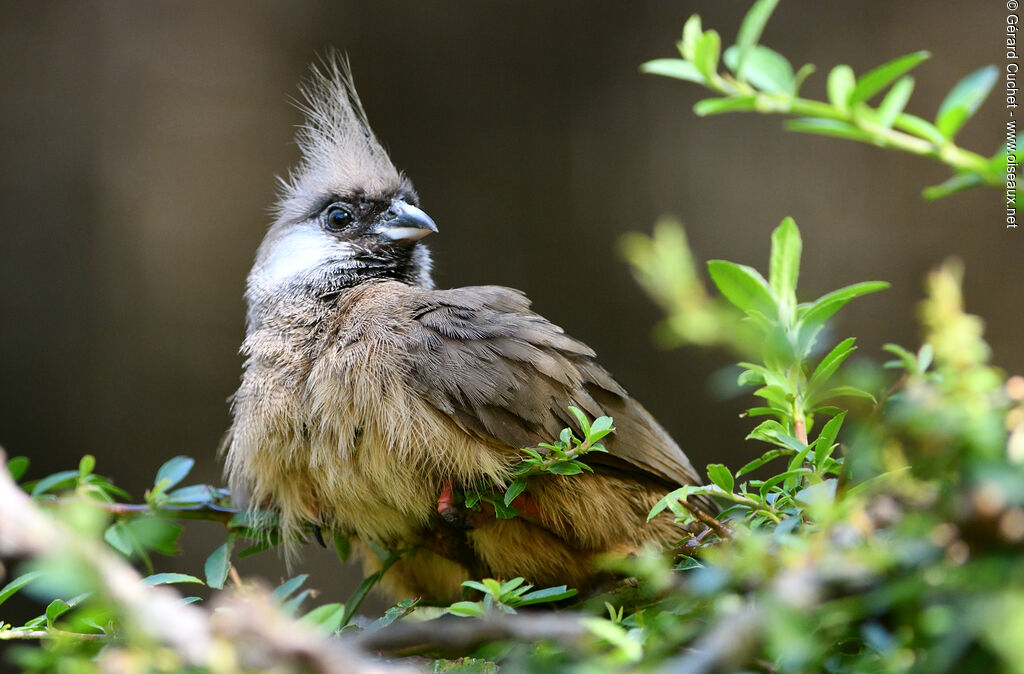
{"type": "Point", "coordinates": [759, 79]}
{"type": "Point", "coordinates": [506, 596]}
{"type": "Point", "coordinates": [561, 457]}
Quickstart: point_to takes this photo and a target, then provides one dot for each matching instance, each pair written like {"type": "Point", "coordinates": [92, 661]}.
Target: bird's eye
{"type": "Point", "coordinates": [337, 218]}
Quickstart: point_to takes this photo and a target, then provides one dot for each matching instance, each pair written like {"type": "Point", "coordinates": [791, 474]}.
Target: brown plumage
{"type": "Point", "coordinates": [366, 392]}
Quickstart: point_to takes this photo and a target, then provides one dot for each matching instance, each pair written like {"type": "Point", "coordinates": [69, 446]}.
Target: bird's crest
{"type": "Point", "coordinates": [340, 153]}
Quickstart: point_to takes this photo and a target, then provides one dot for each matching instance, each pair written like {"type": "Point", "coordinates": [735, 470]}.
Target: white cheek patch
{"type": "Point", "coordinates": [300, 251]}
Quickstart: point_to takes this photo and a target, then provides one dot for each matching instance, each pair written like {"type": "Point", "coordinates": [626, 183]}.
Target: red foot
{"type": "Point", "coordinates": [446, 501]}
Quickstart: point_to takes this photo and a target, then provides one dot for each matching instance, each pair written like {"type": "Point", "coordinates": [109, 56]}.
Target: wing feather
{"type": "Point", "coordinates": [479, 355]}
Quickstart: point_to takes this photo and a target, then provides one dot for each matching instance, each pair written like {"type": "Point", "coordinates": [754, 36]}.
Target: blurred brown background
{"type": "Point", "coordinates": [141, 140]}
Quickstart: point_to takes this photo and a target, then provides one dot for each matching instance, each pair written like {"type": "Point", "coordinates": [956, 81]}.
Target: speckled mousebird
{"type": "Point", "coordinates": [370, 399]}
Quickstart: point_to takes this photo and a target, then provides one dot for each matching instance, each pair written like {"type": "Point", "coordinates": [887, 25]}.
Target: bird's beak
{"type": "Point", "coordinates": [404, 223]}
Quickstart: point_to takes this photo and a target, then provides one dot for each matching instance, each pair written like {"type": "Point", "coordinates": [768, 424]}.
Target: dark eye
{"type": "Point", "coordinates": [337, 218]}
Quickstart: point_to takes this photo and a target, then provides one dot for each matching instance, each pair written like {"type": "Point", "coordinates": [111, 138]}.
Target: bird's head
{"type": "Point", "coordinates": [345, 215]}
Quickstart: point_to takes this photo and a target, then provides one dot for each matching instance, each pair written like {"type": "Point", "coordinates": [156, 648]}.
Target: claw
{"type": "Point", "coordinates": [318, 534]}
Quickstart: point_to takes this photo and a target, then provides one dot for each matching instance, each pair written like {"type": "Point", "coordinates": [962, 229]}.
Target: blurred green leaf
{"type": "Point", "coordinates": [841, 81]}
{"type": "Point", "coordinates": [718, 106]}
{"type": "Point", "coordinates": [829, 127]}
{"type": "Point", "coordinates": [56, 482]}
{"type": "Point", "coordinates": [784, 269]}
{"type": "Point", "coordinates": [676, 68]}
{"type": "Point", "coordinates": [919, 127]}
{"type": "Point", "coordinates": [958, 183]}
{"type": "Point", "coordinates": [218, 564]}
{"type": "Point", "coordinates": [751, 29]}
{"type": "Point", "coordinates": [327, 617]}
{"type": "Point", "coordinates": [706, 55]}
{"type": "Point", "coordinates": [879, 78]}
{"type": "Point", "coordinates": [86, 465]}
{"type": "Point", "coordinates": [692, 32]}
{"type": "Point", "coordinates": [170, 578]}
{"type": "Point", "coordinates": [469, 609]}
{"type": "Point", "coordinates": [764, 68]}
{"type": "Point", "coordinates": [18, 583]}
{"type": "Point", "coordinates": [17, 466]}
{"type": "Point", "coordinates": [174, 471]}
{"type": "Point", "coordinates": [894, 102]}
{"type": "Point", "coordinates": [547, 595]}
{"type": "Point", "coordinates": [964, 100]}
{"type": "Point", "coordinates": [743, 286]}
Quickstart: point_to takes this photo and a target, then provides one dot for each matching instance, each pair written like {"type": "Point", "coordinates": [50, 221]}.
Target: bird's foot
{"type": "Point", "coordinates": [450, 512]}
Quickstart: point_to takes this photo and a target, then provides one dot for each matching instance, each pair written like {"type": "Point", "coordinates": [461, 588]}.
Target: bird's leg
{"type": "Point", "coordinates": [448, 510]}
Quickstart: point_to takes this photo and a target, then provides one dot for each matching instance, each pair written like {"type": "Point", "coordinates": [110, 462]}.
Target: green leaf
{"type": "Point", "coordinates": [676, 68]}
{"type": "Point", "coordinates": [894, 102]}
{"type": "Point", "coordinates": [116, 535]}
{"type": "Point", "coordinates": [57, 481]}
{"type": "Point", "coordinates": [964, 100]}
{"type": "Point", "coordinates": [218, 564]}
{"type": "Point", "coordinates": [600, 425]}
{"type": "Point", "coordinates": [706, 53]}
{"type": "Point", "coordinates": [774, 432]}
{"type": "Point", "coordinates": [764, 68]}
{"type": "Point", "coordinates": [743, 286]}
{"type": "Point", "coordinates": [918, 127]}
{"type": "Point", "coordinates": [502, 511]}
{"type": "Point", "coordinates": [327, 617]}
{"type": "Point", "coordinates": [288, 588]}
{"type": "Point", "coordinates": [879, 78]}
{"type": "Point", "coordinates": [818, 494]}
{"type": "Point", "coordinates": [841, 392]}
{"type": "Point", "coordinates": [581, 417]}
{"type": "Point", "coordinates": [86, 466]}
{"type": "Point", "coordinates": [841, 81]}
{"type": "Point", "coordinates": [169, 578]}
{"type": "Point", "coordinates": [550, 594]}
{"type": "Point", "coordinates": [768, 456]}
{"type": "Point", "coordinates": [829, 127]}
{"type": "Point", "coordinates": [774, 394]}
{"type": "Point", "coordinates": [21, 581]}
{"type": "Point", "coordinates": [291, 606]}
{"type": "Point", "coordinates": [197, 493]}
{"type": "Point", "coordinates": [806, 70]}
{"type": "Point", "coordinates": [958, 183]}
{"type": "Point", "coordinates": [721, 476]}
{"type": "Point", "coordinates": [751, 29]}
{"type": "Point", "coordinates": [467, 609]}
{"type": "Point", "coordinates": [692, 30]}
{"type": "Point", "coordinates": [154, 533]}
{"type": "Point", "coordinates": [826, 438]}
{"type": "Point", "coordinates": [342, 548]}
{"type": "Point", "coordinates": [784, 268]}
{"type": "Point", "coordinates": [813, 316]}
{"type": "Point", "coordinates": [517, 487]}
{"type": "Point", "coordinates": [565, 468]}
{"type": "Point", "coordinates": [830, 363]}
{"type": "Point", "coordinates": [174, 471]}
{"type": "Point", "coordinates": [17, 466]}
{"type": "Point", "coordinates": [671, 497]}
{"type": "Point", "coordinates": [767, 485]}
{"type": "Point", "coordinates": [56, 609]}
{"type": "Point", "coordinates": [718, 106]}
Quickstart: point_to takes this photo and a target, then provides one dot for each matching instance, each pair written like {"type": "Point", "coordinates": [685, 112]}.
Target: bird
{"type": "Point", "coordinates": [370, 400]}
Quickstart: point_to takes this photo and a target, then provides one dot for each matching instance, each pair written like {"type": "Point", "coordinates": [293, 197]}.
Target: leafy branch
{"type": "Point", "coordinates": [759, 79]}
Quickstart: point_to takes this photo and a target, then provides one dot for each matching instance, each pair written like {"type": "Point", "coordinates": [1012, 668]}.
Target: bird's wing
{"type": "Point", "coordinates": [480, 355]}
